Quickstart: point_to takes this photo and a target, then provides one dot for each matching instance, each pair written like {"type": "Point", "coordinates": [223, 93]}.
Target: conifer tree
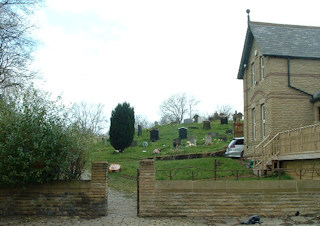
{"type": "Point", "coordinates": [122, 126]}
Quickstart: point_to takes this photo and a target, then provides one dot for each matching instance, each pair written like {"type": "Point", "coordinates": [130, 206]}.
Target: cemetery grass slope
{"type": "Point", "coordinates": [129, 160]}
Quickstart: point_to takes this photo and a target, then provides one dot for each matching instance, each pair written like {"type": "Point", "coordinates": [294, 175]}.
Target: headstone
{"type": "Point", "coordinates": [196, 118]}
{"type": "Point", "coordinates": [134, 143]}
{"type": "Point", "coordinates": [206, 125]}
{"type": "Point", "coordinates": [176, 142]}
{"type": "Point", "coordinates": [213, 134]}
{"type": "Point", "coordinates": [154, 135]}
{"type": "Point", "coordinates": [104, 139]}
{"type": "Point", "coordinates": [224, 120]}
{"type": "Point", "coordinates": [183, 133]}
{"type": "Point", "coordinates": [139, 130]}
{"type": "Point", "coordinates": [192, 140]}
{"type": "Point", "coordinates": [237, 117]}
{"type": "Point", "coordinates": [188, 121]}
{"type": "Point", "coordinates": [208, 140]}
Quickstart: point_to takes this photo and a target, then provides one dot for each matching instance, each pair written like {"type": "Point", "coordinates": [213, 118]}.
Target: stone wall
{"type": "Point", "coordinates": [82, 198]}
{"type": "Point", "coordinates": [225, 198]}
{"type": "Point", "coordinates": [309, 169]}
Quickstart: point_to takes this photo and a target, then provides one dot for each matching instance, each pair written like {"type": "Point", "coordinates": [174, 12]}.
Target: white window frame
{"type": "Point", "coordinates": [262, 67]}
{"type": "Point", "coordinates": [263, 120]}
{"type": "Point", "coordinates": [254, 119]}
{"type": "Point", "coordinates": [253, 69]}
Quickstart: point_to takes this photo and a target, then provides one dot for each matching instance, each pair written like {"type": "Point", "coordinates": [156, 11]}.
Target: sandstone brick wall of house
{"type": "Point", "coordinates": [306, 169]}
{"type": "Point", "coordinates": [225, 198]}
{"type": "Point", "coordinates": [286, 108]}
{"type": "Point", "coordinates": [82, 198]}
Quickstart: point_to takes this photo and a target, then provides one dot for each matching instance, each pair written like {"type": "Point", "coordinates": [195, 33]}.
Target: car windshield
{"type": "Point", "coordinates": [236, 142]}
{"type": "Point", "coordinates": [233, 142]}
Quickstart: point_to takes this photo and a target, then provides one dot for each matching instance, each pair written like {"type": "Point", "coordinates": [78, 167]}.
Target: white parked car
{"type": "Point", "coordinates": [236, 148]}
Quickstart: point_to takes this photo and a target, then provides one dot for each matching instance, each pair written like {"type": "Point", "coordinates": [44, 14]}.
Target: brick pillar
{"type": "Point", "coordinates": [147, 181]}
{"type": "Point", "coordinates": [99, 188]}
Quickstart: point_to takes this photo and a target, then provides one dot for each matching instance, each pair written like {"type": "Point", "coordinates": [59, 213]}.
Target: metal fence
{"type": "Point", "coordinates": [195, 173]}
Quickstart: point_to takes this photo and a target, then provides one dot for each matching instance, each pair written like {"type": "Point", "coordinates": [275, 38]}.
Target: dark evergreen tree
{"type": "Point", "coordinates": [122, 126]}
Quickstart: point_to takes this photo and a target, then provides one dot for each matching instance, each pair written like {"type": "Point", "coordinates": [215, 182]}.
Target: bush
{"type": "Point", "coordinates": [38, 144]}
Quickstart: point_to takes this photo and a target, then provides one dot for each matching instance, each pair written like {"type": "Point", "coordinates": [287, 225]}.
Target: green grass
{"type": "Point", "coordinates": [130, 159]}
{"type": "Point", "coordinates": [132, 155]}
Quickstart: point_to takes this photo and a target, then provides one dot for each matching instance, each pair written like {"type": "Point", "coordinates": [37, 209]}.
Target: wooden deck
{"type": "Point", "coordinates": [300, 143]}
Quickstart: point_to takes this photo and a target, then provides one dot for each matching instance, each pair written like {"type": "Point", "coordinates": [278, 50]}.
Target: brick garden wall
{"type": "Point", "coordinates": [83, 198]}
{"type": "Point", "coordinates": [225, 198]}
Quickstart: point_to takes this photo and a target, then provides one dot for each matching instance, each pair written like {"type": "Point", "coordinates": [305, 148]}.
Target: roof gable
{"type": "Point", "coordinates": [281, 40]}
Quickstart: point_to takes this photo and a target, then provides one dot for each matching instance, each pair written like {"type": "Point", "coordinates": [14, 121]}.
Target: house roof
{"type": "Point", "coordinates": [281, 40]}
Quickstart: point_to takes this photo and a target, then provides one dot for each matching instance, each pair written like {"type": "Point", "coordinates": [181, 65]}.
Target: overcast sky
{"type": "Point", "coordinates": [142, 52]}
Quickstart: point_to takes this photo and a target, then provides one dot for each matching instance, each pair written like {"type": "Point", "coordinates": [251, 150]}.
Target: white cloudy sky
{"type": "Point", "coordinates": [142, 52]}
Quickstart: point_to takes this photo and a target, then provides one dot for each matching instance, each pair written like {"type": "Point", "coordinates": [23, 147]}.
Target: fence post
{"type": "Point", "coordinates": [280, 172]}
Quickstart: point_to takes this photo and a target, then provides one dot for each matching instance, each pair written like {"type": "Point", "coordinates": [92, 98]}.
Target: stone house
{"type": "Point", "coordinates": [280, 69]}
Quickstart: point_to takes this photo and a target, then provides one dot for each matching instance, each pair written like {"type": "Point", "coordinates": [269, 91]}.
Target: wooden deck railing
{"type": "Point", "coordinates": [302, 140]}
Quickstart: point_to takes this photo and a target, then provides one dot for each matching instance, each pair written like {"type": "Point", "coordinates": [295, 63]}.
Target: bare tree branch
{"type": "Point", "coordinates": [16, 43]}
{"type": "Point", "coordinates": [89, 117]}
{"type": "Point", "coordinates": [175, 107]}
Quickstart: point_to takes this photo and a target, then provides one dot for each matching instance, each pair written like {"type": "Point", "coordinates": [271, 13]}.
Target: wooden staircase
{"type": "Point", "coordinates": [299, 143]}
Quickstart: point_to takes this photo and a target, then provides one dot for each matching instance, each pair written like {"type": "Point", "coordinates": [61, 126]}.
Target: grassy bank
{"type": "Point", "coordinates": [130, 159]}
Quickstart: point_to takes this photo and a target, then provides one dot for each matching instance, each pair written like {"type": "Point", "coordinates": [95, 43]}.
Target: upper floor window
{"type": "Point", "coordinates": [253, 74]}
{"type": "Point", "coordinates": [262, 67]}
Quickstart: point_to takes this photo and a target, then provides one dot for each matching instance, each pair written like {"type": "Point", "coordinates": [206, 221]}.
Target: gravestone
{"type": "Point", "coordinates": [237, 117]}
{"type": "Point", "coordinates": [104, 139]}
{"type": "Point", "coordinates": [183, 133]}
{"type": "Point", "coordinates": [206, 125]}
{"type": "Point", "coordinates": [224, 120]}
{"type": "Point", "coordinates": [192, 140]}
{"type": "Point", "coordinates": [188, 121]}
{"type": "Point", "coordinates": [208, 140]}
{"type": "Point", "coordinates": [139, 130]}
{"type": "Point", "coordinates": [213, 134]}
{"type": "Point", "coordinates": [196, 118]}
{"type": "Point", "coordinates": [154, 135]}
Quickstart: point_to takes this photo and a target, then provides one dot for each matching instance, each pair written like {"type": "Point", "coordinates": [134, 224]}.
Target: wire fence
{"type": "Point", "coordinates": [195, 173]}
